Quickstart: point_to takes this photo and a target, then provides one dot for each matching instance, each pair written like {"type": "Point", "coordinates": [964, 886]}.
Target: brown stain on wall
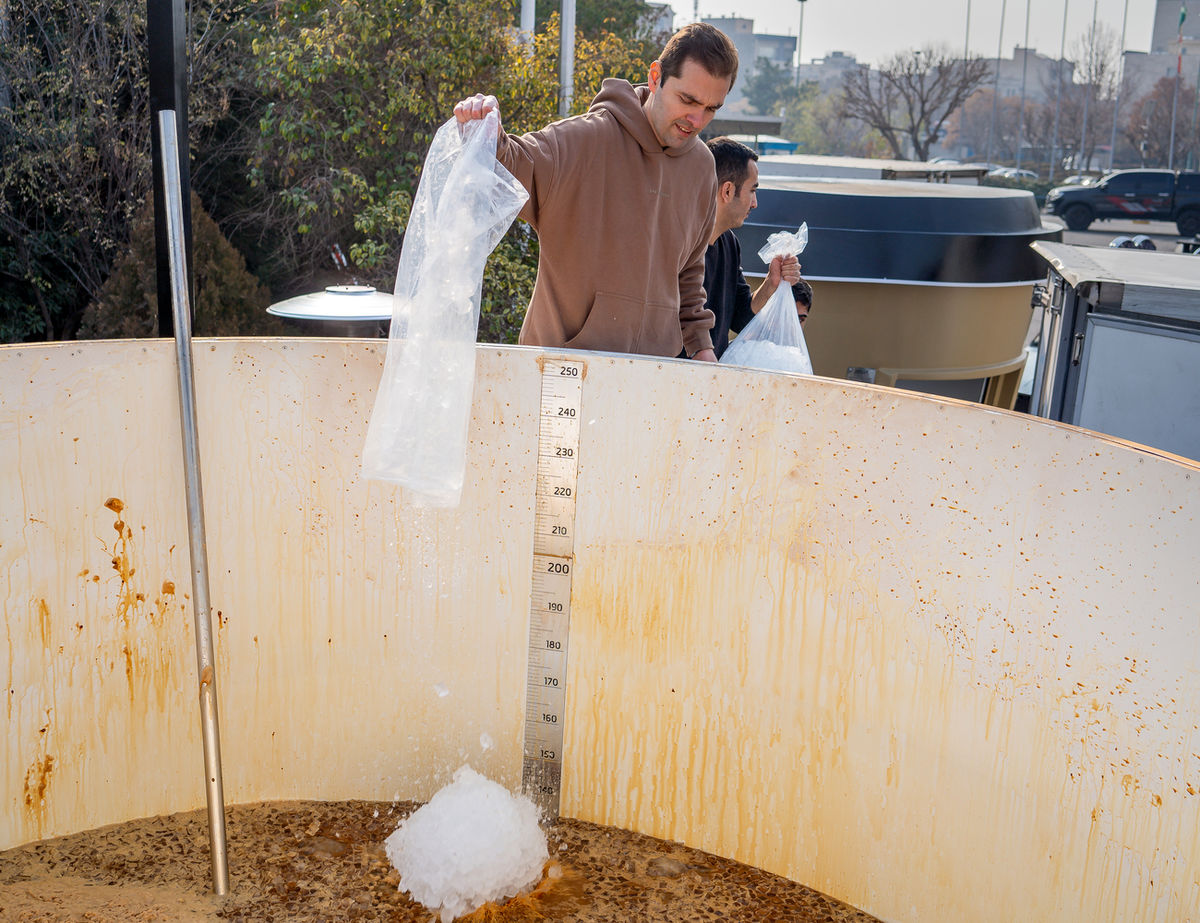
{"type": "Point", "coordinates": [146, 655]}
{"type": "Point", "coordinates": [37, 780]}
{"type": "Point", "coordinates": [43, 611]}
{"type": "Point", "coordinates": [122, 562]}
{"type": "Point", "coordinates": [165, 599]}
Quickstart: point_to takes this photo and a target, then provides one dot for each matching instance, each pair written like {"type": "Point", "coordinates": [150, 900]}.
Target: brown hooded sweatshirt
{"type": "Point", "coordinates": [623, 225]}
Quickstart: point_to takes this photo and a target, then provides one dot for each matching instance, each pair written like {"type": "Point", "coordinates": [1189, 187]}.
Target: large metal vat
{"type": "Point", "coordinates": [932, 658]}
{"type": "Point", "coordinates": [923, 282]}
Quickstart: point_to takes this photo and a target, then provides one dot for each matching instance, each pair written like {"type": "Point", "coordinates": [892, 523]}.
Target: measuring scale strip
{"type": "Point", "coordinates": [550, 596]}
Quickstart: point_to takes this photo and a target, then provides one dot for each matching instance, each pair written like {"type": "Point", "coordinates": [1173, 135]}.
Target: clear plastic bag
{"type": "Point", "coordinates": [774, 339]}
{"type": "Point", "coordinates": [465, 202]}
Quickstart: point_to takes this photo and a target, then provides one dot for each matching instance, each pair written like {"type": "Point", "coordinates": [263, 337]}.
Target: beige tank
{"type": "Point", "coordinates": [928, 284]}
{"type": "Point", "coordinates": [935, 659]}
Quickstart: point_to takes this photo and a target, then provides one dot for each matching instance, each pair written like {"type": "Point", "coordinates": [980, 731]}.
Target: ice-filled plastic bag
{"type": "Point", "coordinates": [774, 339]}
{"type": "Point", "coordinates": [464, 203]}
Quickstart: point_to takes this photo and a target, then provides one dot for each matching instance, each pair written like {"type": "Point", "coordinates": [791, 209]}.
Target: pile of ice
{"type": "Point", "coordinates": [763, 354]}
{"type": "Point", "coordinates": [472, 843]}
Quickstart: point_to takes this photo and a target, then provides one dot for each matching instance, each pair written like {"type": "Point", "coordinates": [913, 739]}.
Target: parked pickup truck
{"type": "Point", "coordinates": [1158, 195]}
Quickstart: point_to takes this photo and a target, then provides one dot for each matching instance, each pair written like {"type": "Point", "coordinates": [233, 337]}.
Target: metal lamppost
{"type": "Point", "coordinates": [1058, 95]}
{"type": "Point", "coordinates": [799, 35]}
{"type": "Point", "coordinates": [566, 58]}
{"type": "Point", "coordinates": [1087, 91]}
{"type": "Point", "coordinates": [528, 21]}
{"type": "Point", "coordinates": [1112, 144]}
{"type": "Point", "coordinates": [1175, 94]}
{"type": "Point", "coordinates": [967, 34]}
{"type": "Point", "coordinates": [1024, 73]}
{"type": "Point", "coordinates": [1195, 113]}
{"type": "Point", "coordinates": [996, 81]}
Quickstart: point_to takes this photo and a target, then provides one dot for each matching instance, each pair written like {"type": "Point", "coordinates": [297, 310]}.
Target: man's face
{"type": "Point", "coordinates": [745, 200]}
{"type": "Point", "coordinates": [680, 107]}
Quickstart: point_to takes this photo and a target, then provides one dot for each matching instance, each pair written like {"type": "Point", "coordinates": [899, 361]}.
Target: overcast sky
{"type": "Point", "coordinates": [873, 30]}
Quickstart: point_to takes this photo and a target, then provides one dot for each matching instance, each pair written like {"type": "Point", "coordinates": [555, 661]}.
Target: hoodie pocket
{"type": "Point", "coordinates": [620, 324]}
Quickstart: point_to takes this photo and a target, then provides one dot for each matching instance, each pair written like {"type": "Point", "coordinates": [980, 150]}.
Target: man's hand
{"type": "Point", "coordinates": [705, 355]}
{"type": "Point", "coordinates": [783, 269]}
{"type": "Point", "coordinates": [476, 107]}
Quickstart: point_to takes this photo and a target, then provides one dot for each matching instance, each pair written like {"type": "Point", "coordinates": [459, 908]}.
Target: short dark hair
{"type": "Point", "coordinates": [802, 292]}
{"type": "Point", "coordinates": [707, 45]}
{"type": "Point", "coordinates": [733, 161]}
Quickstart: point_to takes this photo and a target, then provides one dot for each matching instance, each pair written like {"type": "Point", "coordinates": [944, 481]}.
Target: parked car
{"type": "Point", "coordinates": [1012, 173]}
{"type": "Point", "coordinates": [1078, 179]}
{"type": "Point", "coordinates": [1160, 195]}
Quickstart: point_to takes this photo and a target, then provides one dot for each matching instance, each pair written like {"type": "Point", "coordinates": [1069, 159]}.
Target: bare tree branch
{"type": "Point", "coordinates": [910, 97]}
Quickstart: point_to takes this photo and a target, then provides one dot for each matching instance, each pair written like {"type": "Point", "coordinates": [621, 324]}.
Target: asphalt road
{"type": "Point", "coordinates": [1101, 233]}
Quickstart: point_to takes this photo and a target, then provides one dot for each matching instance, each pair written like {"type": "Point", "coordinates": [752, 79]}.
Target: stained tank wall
{"type": "Point", "coordinates": [934, 659]}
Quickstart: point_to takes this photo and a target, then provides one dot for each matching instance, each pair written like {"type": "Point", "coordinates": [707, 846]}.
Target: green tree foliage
{"type": "Point", "coordinates": [75, 137]}
{"type": "Point", "coordinates": [629, 20]}
{"type": "Point", "coordinates": [356, 94]}
{"type": "Point", "coordinates": [528, 89]}
{"type": "Point", "coordinates": [229, 300]}
{"type": "Point", "coordinates": [72, 137]}
{"type": "Point", "coordinates": [815, 121]}
{"type": "Point", "coordinates": [310, 120]}
{"type": "Point", "coordinates": [767, 87]}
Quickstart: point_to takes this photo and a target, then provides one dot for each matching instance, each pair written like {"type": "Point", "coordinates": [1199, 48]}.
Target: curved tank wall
{"type": "Point", "coordinates": [931, 658]}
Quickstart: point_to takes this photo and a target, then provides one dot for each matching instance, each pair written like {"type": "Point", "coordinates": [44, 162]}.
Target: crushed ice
{"type": "Point", "coordinates": [472, 843]}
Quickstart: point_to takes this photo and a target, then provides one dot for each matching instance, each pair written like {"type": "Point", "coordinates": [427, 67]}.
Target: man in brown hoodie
{"type": "Point", "coordinates": [623, 201]}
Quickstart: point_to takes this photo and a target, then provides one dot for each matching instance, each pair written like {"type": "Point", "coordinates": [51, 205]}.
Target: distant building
{"type": "Point", "coordinates": [829, 71]}
{"type": "Point", "coordinates": [1164, 39]}
{"type": "Point", "coordinates": [751, 46]}
{"type": "Point", "coordinates": [659, 19]}
{"type": "Point", "coordinates": [1167, 41]}
{"type": "Point", "coordinates": [1038, 74]}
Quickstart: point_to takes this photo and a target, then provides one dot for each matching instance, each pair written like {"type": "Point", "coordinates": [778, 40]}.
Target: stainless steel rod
{"type": "Point", "coordinates": [205, 661]}
{"type": "Point", "coordinates": [566, 58]}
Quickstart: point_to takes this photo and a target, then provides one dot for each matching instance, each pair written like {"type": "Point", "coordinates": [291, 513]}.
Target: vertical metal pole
{"type": "Point", "coordinates": [1087, 87]}
{"type": "Point", "coordinates": [996, 81]}
{"type": "Point", "coordinates": [1062, 46]}
{"type": "Point", "coordinates": [1175, 93]}
{"type": "Point", "coordinates": [967, 34]}
{"type": "Point", "coordinates": [167, 70]}
{"type": "Point", "coordinates": [205, 661]}
{"type": "Point", "coordinates": [1195, 111]}
{"type": "Point", "coordinates": [1112, 144]}
{"type": "Point", "coordinates": [1024, 75]}
{"type": "Point", "coordinates": [799, 36]}
{"type": "Point", "coordinates": [566, 59]}
{"type": "Point", "coordinates": [528, 17]}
